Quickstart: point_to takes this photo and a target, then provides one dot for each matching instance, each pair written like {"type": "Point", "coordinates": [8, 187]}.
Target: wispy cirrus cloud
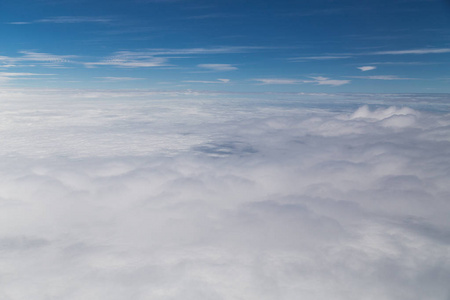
{"type": "Point", "coordinates": [320, 80]}
{"type": "Point", "coordinates": [74, 19]}
{"type": "Point", "coordinates": [413, 51]}
{"type": "Point", "coordinates": [278, 81]}
{"type": "Point", "coordinates": [8, 76]}
{"type": "Point", "coordinates": [7, 61]}
{"type": "Point", "coordinates": [19, 23]}
{"type": "Point", "coordinates": [39, 58]}
{"type": "Point", "coordinates": [367, 68]}
{"type": "Point", "coordinates": [320, 57]}
{"type": "Point", "coordinates": [218, 67]}
{"type": "Point", "coordinates": [148, 58]}
{"type": "Point", "coordinates": [46, 57]}
{"type": "Point", "coordinates": [406, 63]}
{"type": "Point", "coordinates": [130, 59]}
{"type": "Point", "coordinates": [382, 77]}
{"type": "Point", "coordinates": [327, 81]}
{"type": "Point", "coordinates": [159, 57]}
{"type": "Point", "coordinates": [66, 20]}
{"type": "Point", "coordinates": [118, 79]}
{"type": "Point", "coordinates": [420, 51]}
{"type": "Point", "coordinates": [219, 80]}
{"type": "Point", "coordinates": [200, 51]}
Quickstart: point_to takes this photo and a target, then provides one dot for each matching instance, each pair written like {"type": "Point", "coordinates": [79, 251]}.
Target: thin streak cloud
{"type": "Point", "coordinates": [130, 59]}
{"type": "Point", "coordinates": [383, 77]}
{"type": "Point", "coordinates": [45, 57]}
{"type": "Point", "coordinates": [392, 52]}
{"type": "Point", "coordinates": [413, 51]}
{"type": "Point", "coordinates": [319, 80]}
{"type": "Point", "coordinates": [200, 51]}
{"type": "Point", "coordinates": [9, 76]}
{"type": "Point", "coordinates": [74, 20]}
{"type": "Point", "coordinates": [367, 68]}
{"type": "Point", "coordinates": [116, 79]}
{"type": "Point", "coordinates": [219, 80]}
{"type": "Point", "coordinates": [218, 67]}
{"type": "Point", "coordinates": [278, 81]}
{"type": "Point", "coordinates": [66, 20]}
{"type": "Point", "coordinates": [324, 57]}
{"type": "Point", "coordinates": [160, 57]}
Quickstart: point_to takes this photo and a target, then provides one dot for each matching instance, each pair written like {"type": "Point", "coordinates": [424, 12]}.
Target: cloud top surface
{"type": "Point", "coordinates": [211, 199]}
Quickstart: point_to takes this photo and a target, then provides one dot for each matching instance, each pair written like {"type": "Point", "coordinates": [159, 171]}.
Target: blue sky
{"type": "Point", "coordinates": [396, 46]}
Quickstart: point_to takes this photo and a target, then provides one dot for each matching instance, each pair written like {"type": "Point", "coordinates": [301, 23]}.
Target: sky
{"type": "Point", "coordinates": [224, 150]}
{"type": "Point", "coordinates": [395, 46]}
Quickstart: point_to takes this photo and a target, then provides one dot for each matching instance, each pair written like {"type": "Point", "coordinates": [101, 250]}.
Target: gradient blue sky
{"type": "Point", "coordinates": [395, 46]}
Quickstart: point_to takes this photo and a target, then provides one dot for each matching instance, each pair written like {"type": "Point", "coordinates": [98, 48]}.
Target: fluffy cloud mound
{"type": "Point", "coordinates": [213, 199]}
{"type": "Point", "coordinates": [382, 113]}
{"type": "Point", "coordinates": [389, 117]}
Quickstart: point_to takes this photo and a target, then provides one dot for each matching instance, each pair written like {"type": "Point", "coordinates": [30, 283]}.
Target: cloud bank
{"type": "Point", "coordinates": [200, 198]}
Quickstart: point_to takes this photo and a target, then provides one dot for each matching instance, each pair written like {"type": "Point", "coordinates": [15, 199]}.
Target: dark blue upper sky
{"type": "Point", "coordinates": [234, 45]}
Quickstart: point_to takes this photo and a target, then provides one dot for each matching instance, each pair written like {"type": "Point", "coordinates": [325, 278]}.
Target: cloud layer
{"type": "Point", "coordinates": [193, 198]}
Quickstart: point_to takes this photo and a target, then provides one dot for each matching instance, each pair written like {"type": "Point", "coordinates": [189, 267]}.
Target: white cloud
{"type": "Point", "coordinates": [200, 198]}
{"type": "Point", "coordinates": [414, 51]}
{"type": "Point", "coordinates": [382, 77]}
{"type": "Point", "coordinates": [148, 58]}
{"type": "Point", "coordinates": [74, 19]}
{"type": "Point", "coordinates": [278, 81]}
{"type": "Point", "coordinates": [326, 81]}
{"type": "Point", "coordinates": [412, 63]}
{"type": "Point", "coordinates": [218, 67]}
{"type": "Point", "coordinates": [130, 59]}
{"type": "Point", "coordinates": [67, 20]}
{"type": "Point", "coordinates": [202, 51]}
{"type": "Point", "coordinates": [323, 57]}
{"type": "Point", "coordinates": [317, 80]}
{"type": "Point", "coordinates": [381, 113]}
{"type": "Point", "coordinates": [390, 52]}
{"type": "Point", "coordinates": [45, 57]}
{"type": "Point", "coordinates": [8, 76]}
{"type": "Point", "coordinates": [19, 23]}
{"type": "Point", "coordinates": [15, 74]}
{"type": "Point", "coordinates": [367, 68]}
{"type": "Point", "coordinates": [120, 78]}
{"type": "Point", "coordinates": [219, 80]}
{"type": "Point", "coordinates": [41, 59]}
{"type": "Point", "coordinates": [160, 57]}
